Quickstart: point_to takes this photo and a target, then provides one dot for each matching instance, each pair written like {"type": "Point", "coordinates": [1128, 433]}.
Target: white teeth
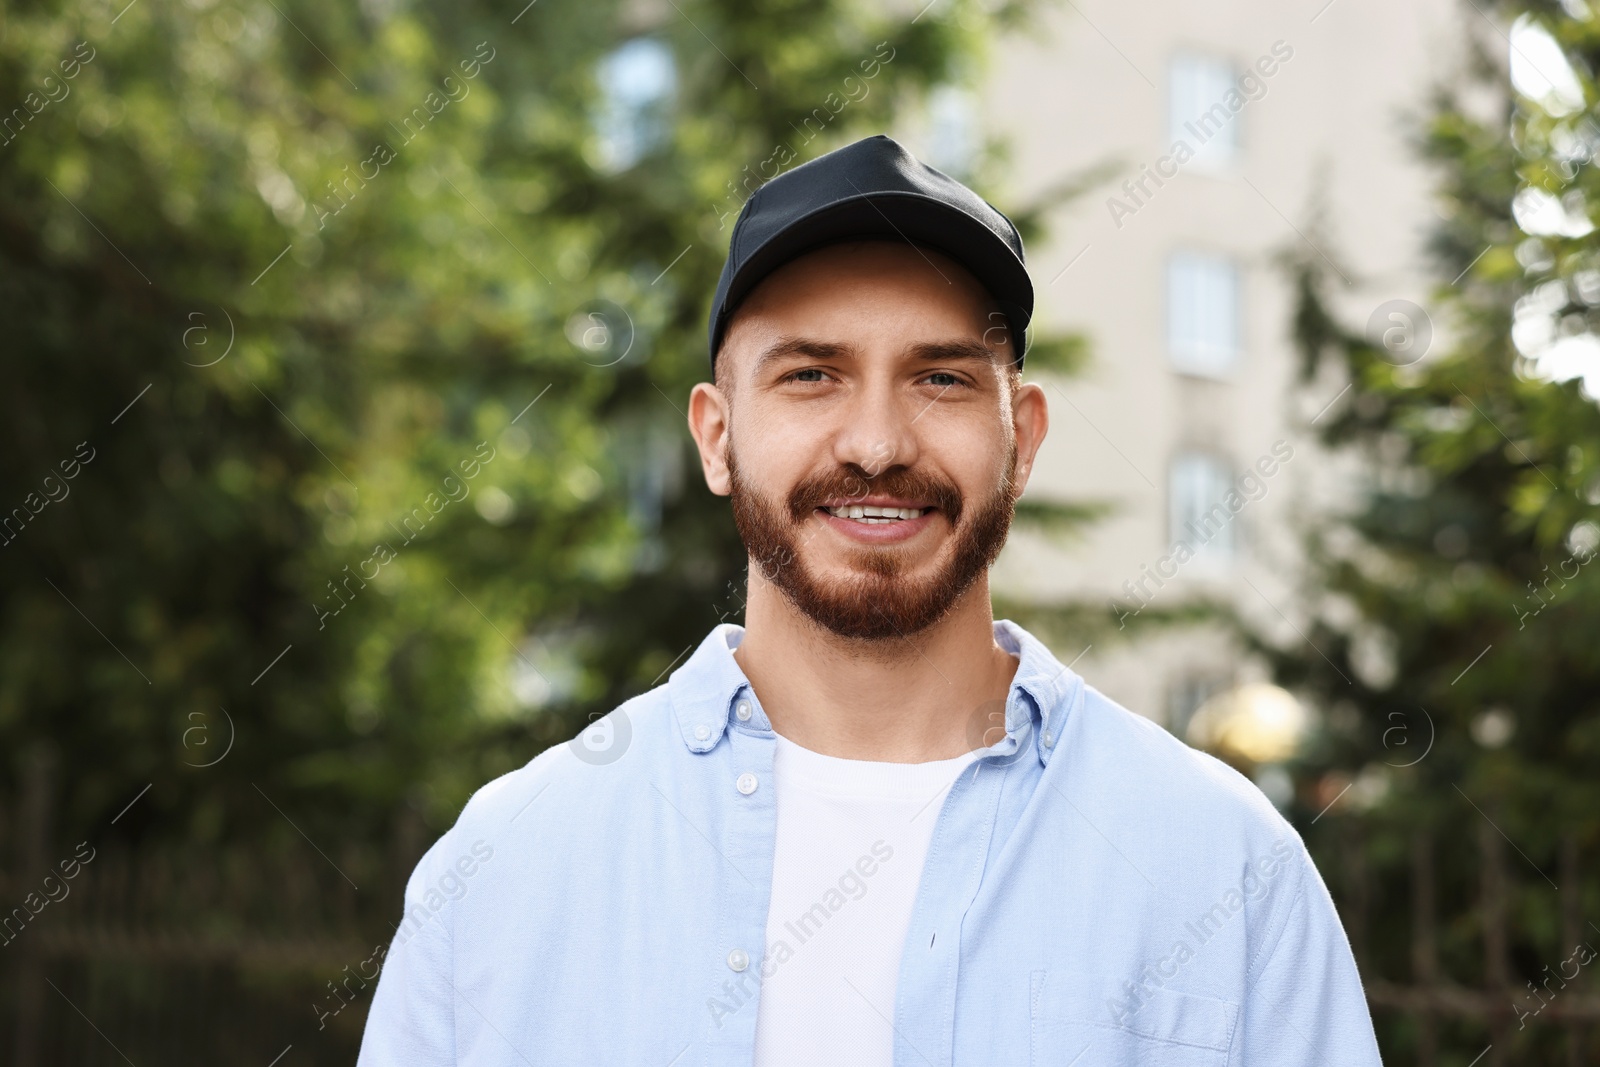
{"type": "Point", "coordinates": [873, 514]}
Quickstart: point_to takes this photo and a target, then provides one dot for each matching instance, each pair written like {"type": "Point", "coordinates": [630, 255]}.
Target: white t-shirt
{"type": "Point", "coordinates": [852, 837]}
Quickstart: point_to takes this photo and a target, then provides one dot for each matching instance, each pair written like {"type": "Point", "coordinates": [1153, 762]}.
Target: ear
{"type": "Point", "coordinates": [1031, 417]}
{"type": "Point", "coordinates": [708, 423]}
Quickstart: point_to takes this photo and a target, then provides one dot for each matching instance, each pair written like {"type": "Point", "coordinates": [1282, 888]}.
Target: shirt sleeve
{"type": "Point", "coordinates": [412, 1020]}
{"type": "Point", "coordinates": [1305, 1006]}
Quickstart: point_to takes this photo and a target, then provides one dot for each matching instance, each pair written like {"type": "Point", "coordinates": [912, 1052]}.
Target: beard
{"type": "Point", "coordinates": [879, 599]}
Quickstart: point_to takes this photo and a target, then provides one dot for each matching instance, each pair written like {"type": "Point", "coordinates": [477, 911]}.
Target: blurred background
{"type": "Point", "coordinates": [344, 467]}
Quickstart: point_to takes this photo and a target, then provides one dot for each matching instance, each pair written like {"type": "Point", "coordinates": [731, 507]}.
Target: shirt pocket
{"type": "Point", "coordinates": [1075, 1025]}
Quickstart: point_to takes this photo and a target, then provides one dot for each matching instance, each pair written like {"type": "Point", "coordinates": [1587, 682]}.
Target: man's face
{"type": "Point", "coordinates": [869, 434]}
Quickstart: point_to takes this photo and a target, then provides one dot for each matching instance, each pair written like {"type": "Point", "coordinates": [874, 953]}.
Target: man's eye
{"type": "Point", "coordinates": [810, 374]}
{"type": "Point", "coordinates": [943, 380]}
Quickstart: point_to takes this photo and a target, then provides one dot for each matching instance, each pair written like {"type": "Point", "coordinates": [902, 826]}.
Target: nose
{"type": "Point", "coordinates": [878, 430]}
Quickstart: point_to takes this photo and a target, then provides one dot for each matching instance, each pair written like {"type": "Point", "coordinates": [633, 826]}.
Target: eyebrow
{"type": "Point", "coordinates": [962, 350]}
{"type": "Point", "coordinates": [799, 346]}
{"type": "Point", "coordinates": [954, 351]}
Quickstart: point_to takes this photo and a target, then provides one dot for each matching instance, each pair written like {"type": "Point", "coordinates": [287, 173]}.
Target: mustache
{"type": "Point", "coordinates": [851, 482]}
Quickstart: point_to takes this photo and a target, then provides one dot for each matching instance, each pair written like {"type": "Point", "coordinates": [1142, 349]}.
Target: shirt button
{"type": "Point", "coordinates": [743, 711]}
{"type": "Point", "coordinates": [702, 732]}
{"type": "Point", "coordinates": [1049, 739]}
{"type": "Point", "coordinates": [738, 959]}
{"type": "Point", "coordinates": [746, 785]}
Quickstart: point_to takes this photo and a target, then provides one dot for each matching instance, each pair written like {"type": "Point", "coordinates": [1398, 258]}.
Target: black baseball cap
{"type": "Point", "coordinates": [873, 189]}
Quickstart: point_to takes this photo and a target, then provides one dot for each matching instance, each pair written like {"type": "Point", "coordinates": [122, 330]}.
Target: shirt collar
{"type": "Point", "coordinates": [702, 690]}
{"type": "Point", "coordinates": [705, 690]}
{"type": "Point", "coordinates": [1052, 688]}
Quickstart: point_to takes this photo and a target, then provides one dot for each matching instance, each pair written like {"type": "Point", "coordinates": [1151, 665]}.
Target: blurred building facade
{"type": "Point", "coordinates": [1232, 132]}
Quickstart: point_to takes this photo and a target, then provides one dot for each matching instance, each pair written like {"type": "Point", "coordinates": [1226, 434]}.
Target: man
{"type": "Point", "coordinates": [872, 826]}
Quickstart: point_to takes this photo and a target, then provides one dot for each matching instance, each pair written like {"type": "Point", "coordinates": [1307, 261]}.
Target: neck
{"type": "Point", "coordinates": [906, 699]}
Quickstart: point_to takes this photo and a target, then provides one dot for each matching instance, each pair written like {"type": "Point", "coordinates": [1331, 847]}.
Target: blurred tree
{"type": "Point", "coordinates": [344, 464]}
{"type": "Point", "coordinates": [1451, 643]}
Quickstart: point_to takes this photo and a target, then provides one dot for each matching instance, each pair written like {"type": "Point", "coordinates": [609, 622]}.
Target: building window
{"type": "Point", "coordinates": [953, 130]}
{"type": "Point", "coordinates": [1186, 691]}
{"type": "Point", "coordinates": [1197, 114]}
{"type": "Point", "coordinates": [636, 84]}
{"type": "Point", "coordinates": [1202, 314]}
{"type": "Point", "coordinates": [1199, 515]}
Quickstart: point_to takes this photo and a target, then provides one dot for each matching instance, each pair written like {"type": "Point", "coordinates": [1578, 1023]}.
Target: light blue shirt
{"type": "Point", "coordinates": [1095, 893]}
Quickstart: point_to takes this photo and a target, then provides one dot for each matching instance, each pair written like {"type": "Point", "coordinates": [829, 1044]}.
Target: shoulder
{"type": "Point", "coordinates": [1193, 808]}
{"type": "Point", "coordinates": [562, 787]}
{"type": "Point", "coordinates": [1191, 825]}
{"type": "Point", "coordinates": [512, 824]}
{"type": "Point", "coordinates": [602, 757]}
{"type": "Point", "coordinates": [1166, 769]}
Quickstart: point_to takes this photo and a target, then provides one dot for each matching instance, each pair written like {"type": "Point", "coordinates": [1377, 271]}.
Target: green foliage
{"type": "Point", "coordinates": [1455, 599]}
{"type": "Point", "coordinates": [450, 227]}
{"type": "Point", "coordinates": [380, 349]}
{"type": "Point", "coordinates": [1059, 517]}
{"type": "Point", "coordinates": [1057, 354]}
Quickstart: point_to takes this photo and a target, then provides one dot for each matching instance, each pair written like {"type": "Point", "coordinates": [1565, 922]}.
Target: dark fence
{"type": "Point", "coordinates": [115, 954]}
{"type": "Point", "coordinates": [1469, 951]}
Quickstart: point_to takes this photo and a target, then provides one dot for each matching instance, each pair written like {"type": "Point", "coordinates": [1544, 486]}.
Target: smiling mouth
{"type": "Point", "coordinates": [874, 515]}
